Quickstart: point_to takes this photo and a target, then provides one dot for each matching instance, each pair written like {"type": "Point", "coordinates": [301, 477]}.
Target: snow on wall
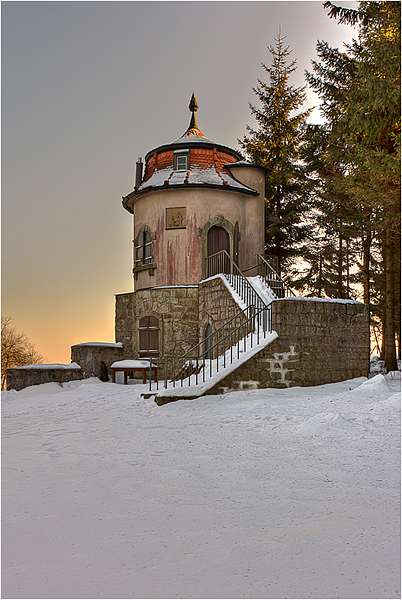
{"type": "Point", "coordinates": [100, 344]}
{"type": "Point", "coordinates": [72, 365]}
{"type": "Point", "coordinates": [19, 378]}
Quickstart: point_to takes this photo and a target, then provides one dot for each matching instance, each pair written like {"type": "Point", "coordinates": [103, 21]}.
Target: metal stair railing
{"type": "Point", "coordinates": [218, 350]}
{"type": "Point", "coordinates": [273, 279]}
{"type": "Point", "coordinates": [221, 263]}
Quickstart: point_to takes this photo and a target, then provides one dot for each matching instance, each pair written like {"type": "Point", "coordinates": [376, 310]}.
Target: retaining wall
{"type": "Point", "coordinates": [319, 342]}
{"type": "Point", "coordinates": [19, 378]}
{"type": "Point", "coordinates": [216, 307]}
{"type": "Point", "coordinates": [216, 304]}
{"type": "Point", "coordinates": [95, 358]}
{"type": "Point", "coordinates": [177, 311]}
{"type": "Point", "coordinates": [124, 322]}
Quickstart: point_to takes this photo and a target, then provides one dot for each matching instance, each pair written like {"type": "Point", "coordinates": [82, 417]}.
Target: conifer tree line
{"type": "Point", "coordinates": [333, 192]}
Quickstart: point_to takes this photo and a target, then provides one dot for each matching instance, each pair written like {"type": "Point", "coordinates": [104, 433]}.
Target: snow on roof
{"type": "Point", "coordinates": [192, 135]}
{"type": "Point", "coordinates": [196, 175]}
{"type": "Point", "coordinates": [50, 366]}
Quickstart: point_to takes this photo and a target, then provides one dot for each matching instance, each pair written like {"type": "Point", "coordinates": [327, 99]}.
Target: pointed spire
{"type": "Point", "coordinates": [193, 107]}
{"type": "Point", "coordinates": [193, 130]}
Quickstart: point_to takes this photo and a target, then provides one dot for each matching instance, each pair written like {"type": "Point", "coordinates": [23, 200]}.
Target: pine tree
{"type": "Point", "coordinates": [276, 144]}
{"type": "Point", "coordinates": [330, 248]}
{"type": "Point", "coordinates": [360, 89]}
{"type": "Point", "coordinates": [371, 123]}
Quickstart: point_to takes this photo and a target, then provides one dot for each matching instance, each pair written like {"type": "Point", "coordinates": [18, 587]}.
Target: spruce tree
{"type": "Point", "coordinates": [360, 89]}
{"type": "Point", "coordinates": [330, 246]}
{"type": "Point", "coordinates": [276, 144]}
{"type": "Point", "coordinates": [371, 127]}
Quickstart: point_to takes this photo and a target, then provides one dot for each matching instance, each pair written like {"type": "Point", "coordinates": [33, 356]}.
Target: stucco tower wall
{"type": "Point", "coordinates": [178, 253]}
{"type": "Point", "coordinates": [254, 234]}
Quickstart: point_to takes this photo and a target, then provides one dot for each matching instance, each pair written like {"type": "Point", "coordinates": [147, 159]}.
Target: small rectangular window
{"type": "Point", "coordinates": [181, 162]}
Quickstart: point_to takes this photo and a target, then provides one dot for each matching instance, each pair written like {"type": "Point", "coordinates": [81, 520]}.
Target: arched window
{"type": "Point", "coordinates": [143, 249]}
{"type": "Point", "coordinates": [149, 337]}
{"type": "Point", "coordinates": [208, 341]}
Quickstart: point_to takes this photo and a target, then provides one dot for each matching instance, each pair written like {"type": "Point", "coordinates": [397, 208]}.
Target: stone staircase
{"type": "Point", "coordinates": [233, 344]}
{"type": "Point", "coordinates": [273, 342]}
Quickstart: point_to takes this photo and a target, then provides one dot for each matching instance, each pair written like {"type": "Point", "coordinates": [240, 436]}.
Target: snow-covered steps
{"type": "Point", "coordinates": [211, 372]}
{"type": "Point", "coordinates": [246, 291]}
{"type": "Point", "coordinates": [262, 289]}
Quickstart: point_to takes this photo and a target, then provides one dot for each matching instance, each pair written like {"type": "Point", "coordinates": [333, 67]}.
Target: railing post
{"type": "Point", "coordinates": [150, 375]}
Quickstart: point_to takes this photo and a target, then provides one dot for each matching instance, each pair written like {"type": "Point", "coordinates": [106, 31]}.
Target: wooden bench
{"type": "Point", "coordinates": [132, 366]}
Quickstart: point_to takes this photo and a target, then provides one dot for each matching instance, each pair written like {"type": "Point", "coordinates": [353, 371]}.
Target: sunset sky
{"type": "Point", "coordinates": [87, 88]}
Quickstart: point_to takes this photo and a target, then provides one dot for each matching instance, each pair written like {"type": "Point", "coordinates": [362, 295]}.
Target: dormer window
{"type": "Point", "coordinates": [181, 160]}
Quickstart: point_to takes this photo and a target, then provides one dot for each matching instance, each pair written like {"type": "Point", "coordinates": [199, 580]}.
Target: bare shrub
{"type": "Point", "coordinates": [16, 349]}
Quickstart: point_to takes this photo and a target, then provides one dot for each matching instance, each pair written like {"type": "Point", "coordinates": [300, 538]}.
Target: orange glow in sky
{"type": "Point", "coordinates": [87, 88]}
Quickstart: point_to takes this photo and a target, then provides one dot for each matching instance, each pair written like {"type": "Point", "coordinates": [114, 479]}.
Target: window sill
{"type": "Point", "coordinates": [150, 267]}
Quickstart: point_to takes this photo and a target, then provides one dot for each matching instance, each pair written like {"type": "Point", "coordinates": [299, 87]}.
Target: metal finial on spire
{"type": "Point", "coordinates": [193, 107]}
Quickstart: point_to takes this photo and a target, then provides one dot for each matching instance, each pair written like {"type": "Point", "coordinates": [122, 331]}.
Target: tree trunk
{"type": "Point", "coordinates": [320, 278]}
{"type": "Point", "coordinates": [366, 266]}
{"type": "Point", "coordinates": [389, 328]}
{"type": "Point", "coordinates": [347, 270]}
{"type": "Point", "coordinates": [340, 267]}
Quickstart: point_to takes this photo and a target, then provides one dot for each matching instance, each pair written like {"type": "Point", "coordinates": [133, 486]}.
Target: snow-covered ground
{"type": "Point", "coordinates": [261, 494]}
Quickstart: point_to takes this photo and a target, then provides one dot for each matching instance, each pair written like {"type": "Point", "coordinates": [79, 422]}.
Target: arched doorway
{"type": "Point", "coordinates": [218, 239]}
{"type": "Point", "coordinates": [149, 337]}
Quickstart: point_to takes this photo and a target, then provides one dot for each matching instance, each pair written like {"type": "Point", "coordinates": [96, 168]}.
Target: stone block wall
{"type": "Point", "coordinates": [217, 307]}
{"type": "Point", "coordinates": [177, 311]}
{"type": "Point", "coordinates": [19, 378]}
{"type": "Point", "coordinates": [124, 322]}
{"type": "Point", "coordinates": [95, 358]}
{"type": "Point", "coordinates": [319, 342]}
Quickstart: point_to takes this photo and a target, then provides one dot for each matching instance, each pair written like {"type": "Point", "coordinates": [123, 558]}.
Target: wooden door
{"type": "Point", "coordinates": [218, 239]}
{"type": "Point", "coordinates": [149, 337]}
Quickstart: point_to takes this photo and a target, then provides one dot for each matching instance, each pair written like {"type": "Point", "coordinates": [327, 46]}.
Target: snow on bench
{"type": "Point", "coordinates": [128, 366]}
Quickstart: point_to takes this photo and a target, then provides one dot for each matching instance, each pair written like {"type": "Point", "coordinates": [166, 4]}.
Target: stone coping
{"type": "Point", "coordinates": [41, 367]}
{"type": "Point", "coordinates": [334, 300]}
